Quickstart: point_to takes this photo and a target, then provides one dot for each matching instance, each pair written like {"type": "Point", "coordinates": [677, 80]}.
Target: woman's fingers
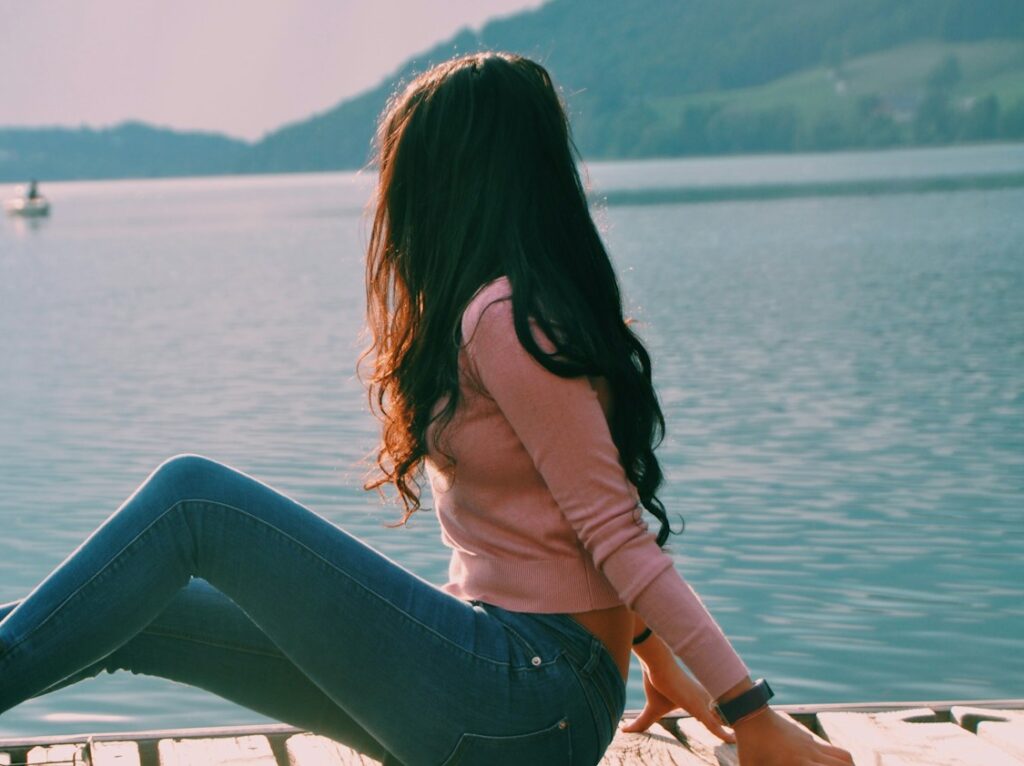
{"type": "Point", "coordinates": [652, 714]}
{"type": "Point", "coordinates": [712, 723]}
{"type": "Point", "coordinates": [648, 716]}
{"type": "Point", "coordinates": [723, 733]}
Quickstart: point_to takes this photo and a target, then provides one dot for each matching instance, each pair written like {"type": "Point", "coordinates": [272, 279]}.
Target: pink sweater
{"type": "Point", "coordinates": [539, 513]}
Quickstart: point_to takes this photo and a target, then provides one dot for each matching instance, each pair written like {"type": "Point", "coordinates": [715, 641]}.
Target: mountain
{"type": "Point", "coordinates": [676, 77]}
{"type": "Point", "coordinates": [129, 150]}
{"type": "Point", "coordinates": [672, 77]}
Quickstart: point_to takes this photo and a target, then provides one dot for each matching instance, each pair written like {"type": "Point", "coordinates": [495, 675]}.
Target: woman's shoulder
{"type": "Point", "coordinates": [493, 298]}
{"type": "Point", "coordinates": [489, 323]}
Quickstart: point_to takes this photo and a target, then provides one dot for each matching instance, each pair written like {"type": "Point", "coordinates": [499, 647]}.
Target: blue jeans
{"type": "Point", "coordinates": [207, 576]}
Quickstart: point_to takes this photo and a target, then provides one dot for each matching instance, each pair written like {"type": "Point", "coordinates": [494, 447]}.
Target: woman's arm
{"type": "Point", "coordinates": [562, 426]}
{"type": "Point", "coordinates": [763, 738]}
{"type": "Point", "coordinates": [667, 687]}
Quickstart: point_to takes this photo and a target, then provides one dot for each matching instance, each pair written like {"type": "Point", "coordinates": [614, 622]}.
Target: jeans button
{"type": "Point", "coordinates": [563, 724]}
{"type": "Point", "coordinates": [535, 661]}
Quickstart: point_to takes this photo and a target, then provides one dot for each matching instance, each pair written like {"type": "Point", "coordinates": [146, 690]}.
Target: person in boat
{"type": "Point", "coordinates": [501, 365]}
{"type": "Point", "coordinates": [33, 191]}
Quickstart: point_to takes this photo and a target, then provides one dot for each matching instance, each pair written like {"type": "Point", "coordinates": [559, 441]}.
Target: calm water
{"type": "Point", "coordinates": [843, 380]}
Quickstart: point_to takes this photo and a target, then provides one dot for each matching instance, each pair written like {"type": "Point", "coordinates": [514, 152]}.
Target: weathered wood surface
{"type": "Point", "coordinates": [1007, 736]}
{"type": "Point", "coordinates": [656, 747]}
{"type": "Point", "coordinates": [705, 744]}
{"type": "Point", "coordinates": [264, 729]}
{"type": "Point", "coordinates": [1003, 728]}
{"type": "Point", "coordinates": [910, 738]}
{"type": "Point", "coordinates": [117, 753]}
{"type": "Point", "coordinates": [969, 716]}
{"type": "Point", "coordinates": [67, 754]}
{"type": "Point", "coordinates": [954, 733]}
{"type": "Point", "coordinates": [253, 750]}
{"type": "Point", "coordinates": [314, 750]}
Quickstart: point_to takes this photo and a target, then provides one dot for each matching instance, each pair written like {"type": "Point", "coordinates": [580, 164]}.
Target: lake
{"type": "Point", "coordinates": [842, 376]}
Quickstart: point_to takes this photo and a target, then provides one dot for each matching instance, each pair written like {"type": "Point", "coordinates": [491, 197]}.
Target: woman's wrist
{"type": "Point", "coordinates": [735, 690]}
{"type": "Point", "coordinates": [738, 700]}
{"type": "Point", "coordinates": [641, 637]}
{"type": "Point", "coordinates": [753, 717]}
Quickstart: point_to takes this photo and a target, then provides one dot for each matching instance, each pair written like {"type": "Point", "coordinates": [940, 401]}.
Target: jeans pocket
{"type": "Point", "coordinates": [551, 745]}
{"type": "Point", "coordinates": [533, 650]}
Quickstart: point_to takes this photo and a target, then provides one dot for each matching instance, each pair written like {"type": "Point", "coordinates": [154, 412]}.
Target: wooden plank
{"type": "Point", "coordinates": [121, 753]}
{"type": "Point", "coordinates": [157, 734]}
{"type": "Point", "coordinates": [280, 728]}
{"type": "Point", "coordinates": [1002, 727]}
{"type": "Point", "coordinates": [66, 754]}
{"type": "Point", "coordinates": [1008, 736]}
{"type": "Point", "coordinates": [705, 744]}
{"type": "Point", "coordinates": [896, 739]}
{"type": "Point", "coordinates": [314, 750]}
{"type": "Point", "coordinates": [655, 747]}
{"type": "Point", "coordinates": [969, 716]}
{"type": "Point", "coordinates": [253, 750]}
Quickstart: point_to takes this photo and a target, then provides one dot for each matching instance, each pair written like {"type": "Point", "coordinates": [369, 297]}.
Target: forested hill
{"type": "Point", "coordinates": [670, 77]}
{"type": "Point", "coordinates": [675, 77]}
{"type": "Point", "coordinates": [129, 150]}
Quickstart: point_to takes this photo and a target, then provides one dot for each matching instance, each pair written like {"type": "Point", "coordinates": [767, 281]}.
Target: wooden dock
{"type": "Point", "coordinates": [950, 733]}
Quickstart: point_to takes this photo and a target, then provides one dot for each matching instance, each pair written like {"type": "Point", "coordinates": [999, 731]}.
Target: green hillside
{"type": "Point", "coordinates": [655, 78]}
{"type": "Point", "coordinates": [652, 78]}
{"type": "Point", "coordinates": [992, 67]}
{"type": "Point", "coordinates": [870, 100]}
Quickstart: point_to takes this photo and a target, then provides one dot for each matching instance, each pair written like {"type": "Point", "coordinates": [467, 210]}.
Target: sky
{"type": "Point", "coordinates": [240, 67]}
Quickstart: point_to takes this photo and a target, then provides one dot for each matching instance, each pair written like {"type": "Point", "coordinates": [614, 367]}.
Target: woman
{"type": "Point", "coordinates": [500, 362]}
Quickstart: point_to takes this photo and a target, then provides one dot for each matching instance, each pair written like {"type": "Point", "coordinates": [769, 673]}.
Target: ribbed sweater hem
{"type": "Point", "coordinates": [565, 585]}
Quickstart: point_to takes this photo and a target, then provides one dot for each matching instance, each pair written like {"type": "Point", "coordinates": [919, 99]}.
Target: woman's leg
{"type": "Point", "coordinates": [202, 638]}
{"type": "Point", "coordinates": [413, 666]}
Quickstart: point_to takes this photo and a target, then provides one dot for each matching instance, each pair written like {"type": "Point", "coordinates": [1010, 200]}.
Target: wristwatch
{"type": "Point", "coordinates": [745, 703]}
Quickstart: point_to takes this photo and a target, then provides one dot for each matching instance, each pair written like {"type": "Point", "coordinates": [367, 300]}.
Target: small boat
{"type": "Point", "coordinates": [31, 204]}
{"type": "Point", "coordinates": [30, 207]}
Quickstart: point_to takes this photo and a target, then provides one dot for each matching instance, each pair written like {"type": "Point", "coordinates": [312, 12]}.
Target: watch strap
{"type": "Point", "coordinates": [745, 703]}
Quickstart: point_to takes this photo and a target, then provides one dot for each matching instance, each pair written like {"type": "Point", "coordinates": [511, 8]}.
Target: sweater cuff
{"type": "Point", "coordinates": [675, 612]}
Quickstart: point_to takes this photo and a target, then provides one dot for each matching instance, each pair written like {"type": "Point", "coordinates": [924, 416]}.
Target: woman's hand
{"type": "Point", "coordinates": [767, 738]}
{"type": "Point", "coordinates": [764, 738]}
{"type": "Point", "coordinates": [667, 687]}
{"type": "Point", "coordinates": [671, 689]}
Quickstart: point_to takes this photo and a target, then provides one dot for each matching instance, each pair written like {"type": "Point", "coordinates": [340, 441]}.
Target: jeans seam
{"type": "Point", "coordinates": [96, 574]}
{"type": "Point", "coordinates": [164, 633]}
{"type": "Point", "coordinates": [586, 696]}
{"type": "Point", "coordinates": [597, 650]}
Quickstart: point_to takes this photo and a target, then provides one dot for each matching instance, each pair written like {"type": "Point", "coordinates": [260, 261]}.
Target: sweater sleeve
{"type": "Point", "coordinates": [563, 428]}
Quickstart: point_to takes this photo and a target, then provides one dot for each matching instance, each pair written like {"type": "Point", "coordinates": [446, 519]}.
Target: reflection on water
{"type": "Point", "coordinates": [21, 227]}
{"type": "Point", "coordinates": [842, 379]}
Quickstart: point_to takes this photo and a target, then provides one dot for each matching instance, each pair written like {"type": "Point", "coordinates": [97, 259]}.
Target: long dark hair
{"type": "Point", "coordinates": [478, 179]}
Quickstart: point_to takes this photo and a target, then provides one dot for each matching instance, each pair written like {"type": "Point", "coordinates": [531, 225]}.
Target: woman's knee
{"type": "Point", "coordinates": [188, 465]}
{"type": "Point", "coordinates": [185, 474]}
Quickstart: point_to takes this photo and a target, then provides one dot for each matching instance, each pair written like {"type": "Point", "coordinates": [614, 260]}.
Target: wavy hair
{"type": "Point", "coordinates": [478, 179]}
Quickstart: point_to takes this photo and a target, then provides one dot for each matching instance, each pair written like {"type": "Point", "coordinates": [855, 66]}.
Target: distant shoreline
{"type": "Point", "coordinates": [606, 192]}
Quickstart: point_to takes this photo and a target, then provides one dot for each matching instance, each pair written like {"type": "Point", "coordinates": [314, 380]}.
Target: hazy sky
{"type": "Point", "coordinates": [242, 67]}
